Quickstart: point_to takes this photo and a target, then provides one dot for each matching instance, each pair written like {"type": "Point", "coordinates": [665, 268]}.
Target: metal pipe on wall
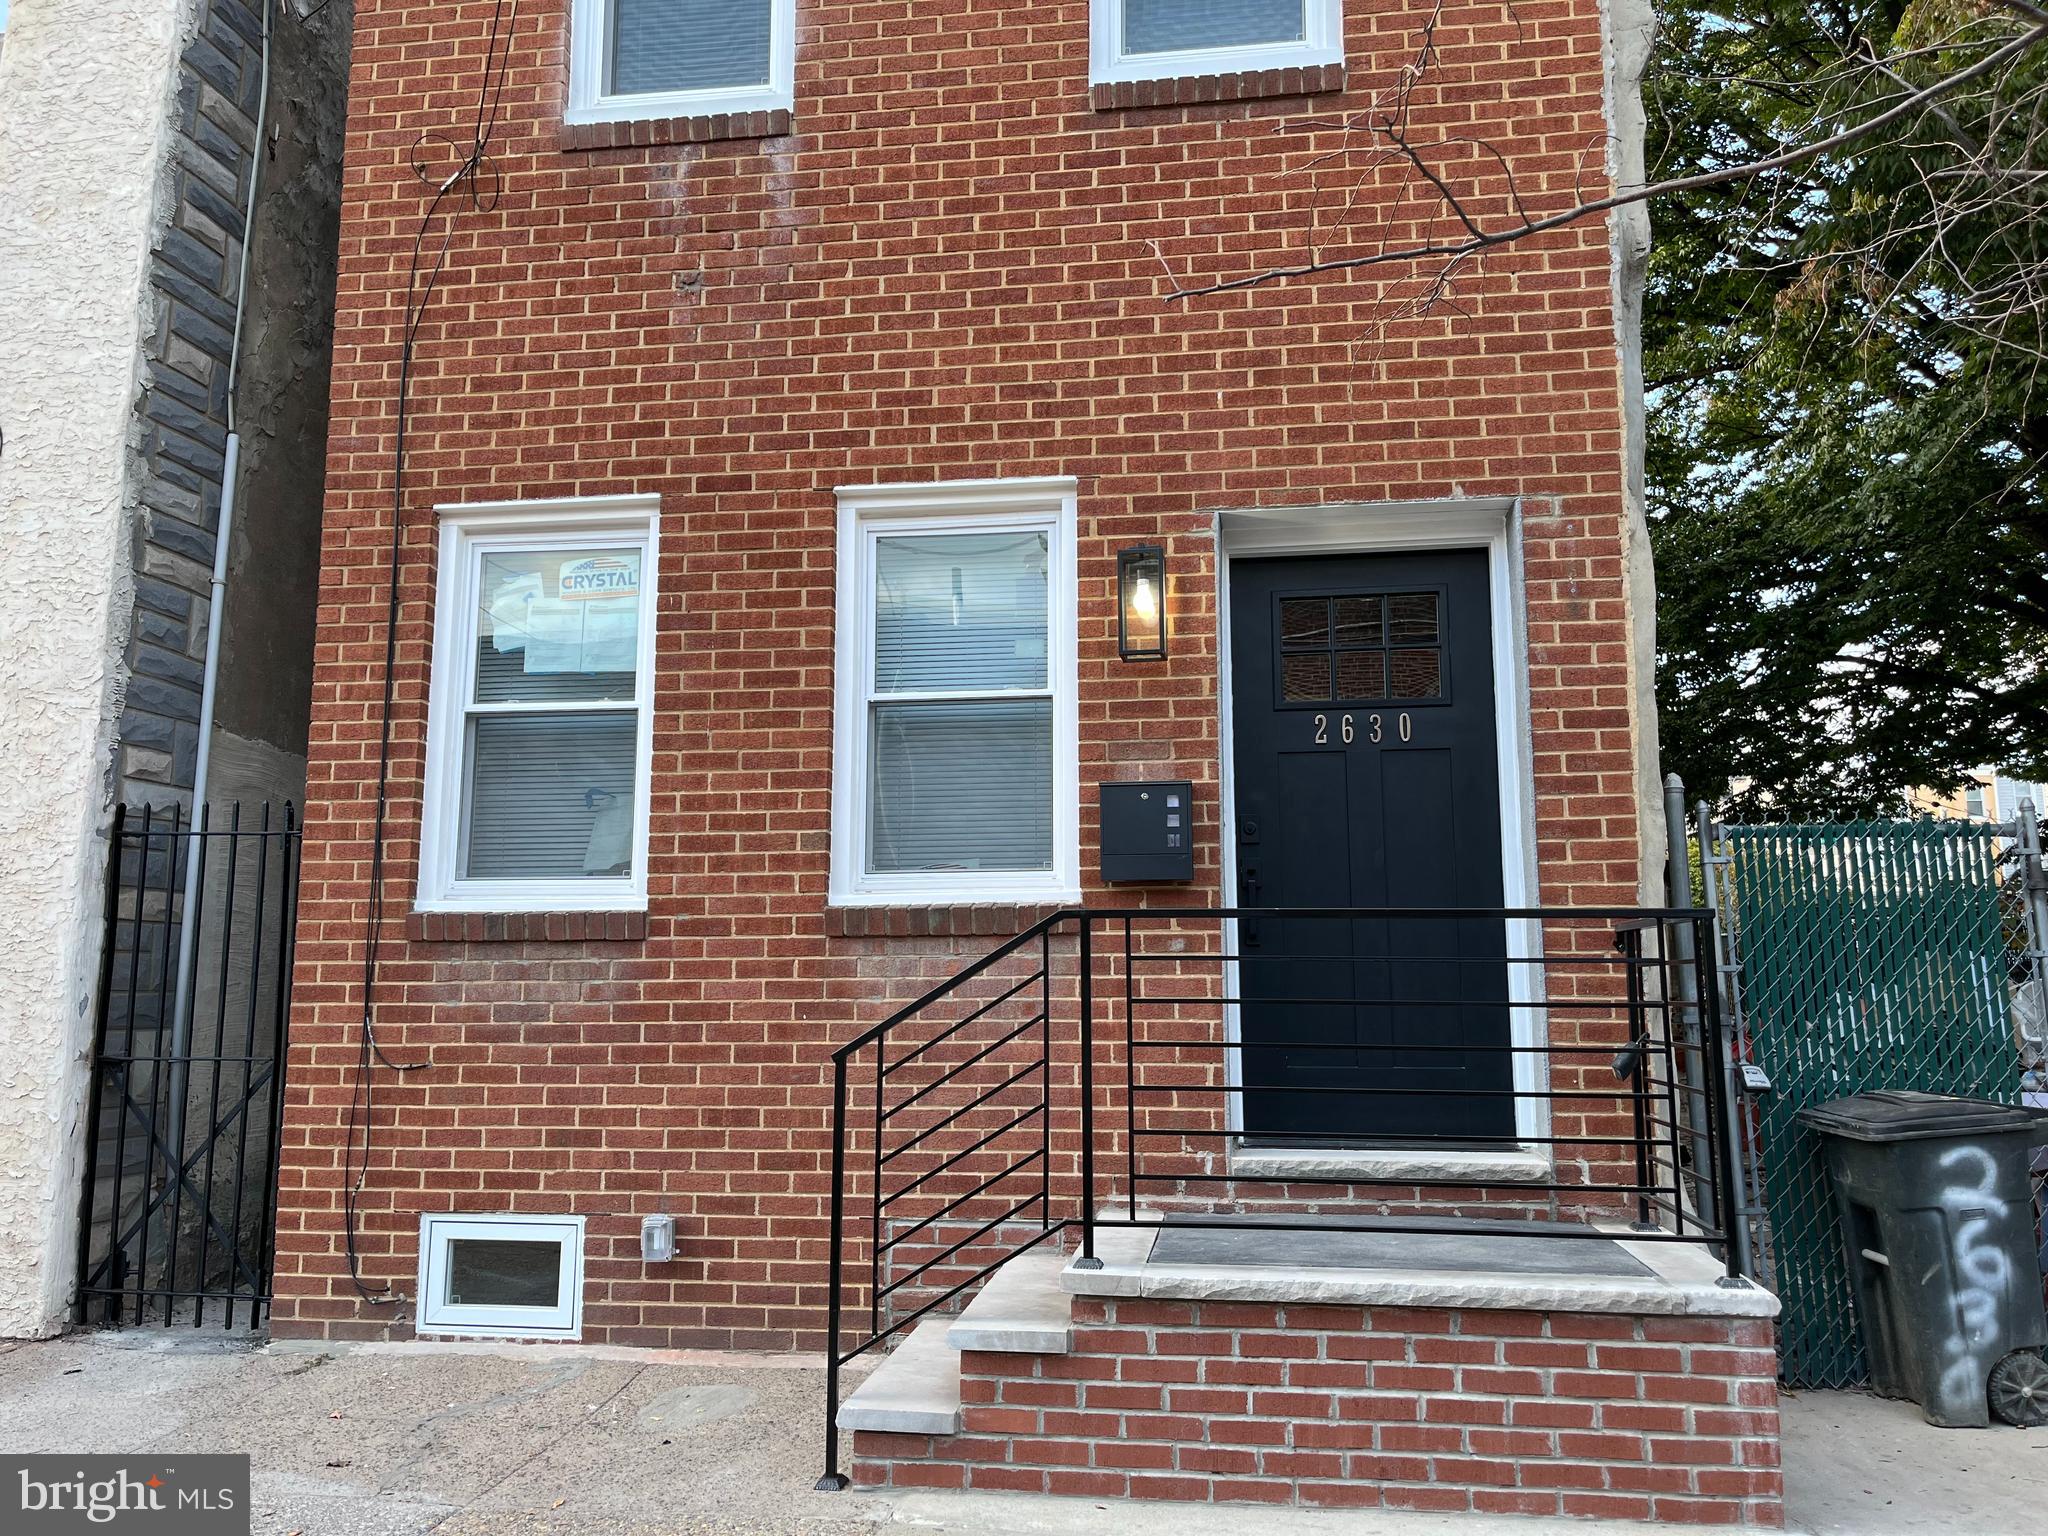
{"type": "Point", "coordinates": [1678, 881]}
{"type": "Point", "coordinates": [1727, 972]}
{"type": "Point", "coordinates": [2033, 1013]}
{"type": "Point", "coordinates": [216, 608]}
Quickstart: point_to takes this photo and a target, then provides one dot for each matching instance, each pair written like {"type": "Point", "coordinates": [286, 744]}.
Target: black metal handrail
{"type": "Point", "coordinates": [983, 1140]}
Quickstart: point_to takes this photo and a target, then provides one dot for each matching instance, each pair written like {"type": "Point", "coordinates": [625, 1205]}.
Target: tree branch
{"type": "Point", "coordinates": [1478, 240]}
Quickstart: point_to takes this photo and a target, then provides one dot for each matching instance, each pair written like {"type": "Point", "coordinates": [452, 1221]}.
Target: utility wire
{"type": "Point", "coordinates": [476, 181]}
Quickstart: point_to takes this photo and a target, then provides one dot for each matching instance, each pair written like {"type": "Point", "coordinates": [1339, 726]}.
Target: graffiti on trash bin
{"type": "Point", "coordinates": [1983, 1268]}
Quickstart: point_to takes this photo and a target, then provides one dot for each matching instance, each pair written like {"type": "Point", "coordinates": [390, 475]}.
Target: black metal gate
{"type": "Point", "coordinates": [188, 1067]}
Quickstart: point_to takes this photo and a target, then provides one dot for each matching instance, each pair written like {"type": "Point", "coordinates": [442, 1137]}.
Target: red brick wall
{"type": "Point", "coordinates": [947, 270]}
{"type": "Point", "coordinates": [1487, 1411]}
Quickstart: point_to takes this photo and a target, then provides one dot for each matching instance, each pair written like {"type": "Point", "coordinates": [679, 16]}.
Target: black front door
{"type": "Point", "coordinates": [1367, 776]}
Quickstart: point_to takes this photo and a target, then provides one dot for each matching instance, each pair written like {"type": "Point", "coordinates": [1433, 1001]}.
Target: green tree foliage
{"type": "Point", "coordinates": [1847, 365]}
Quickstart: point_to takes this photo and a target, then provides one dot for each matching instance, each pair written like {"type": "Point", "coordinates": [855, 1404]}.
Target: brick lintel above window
{"type": "Point", "coordinates": [707, 129]}
{"type": "Point", "coordinates": [988, 919]}
{"type": "Point", "coordinates": [525, 927]}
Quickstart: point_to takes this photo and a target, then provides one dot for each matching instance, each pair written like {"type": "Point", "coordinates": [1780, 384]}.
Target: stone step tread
{"type": "Point", "coordinates": [915, 1391]}
{"type": "Point", "coordinates": [1123, 1251]}
{"type": "Point", "coordinates": [1020, 1311]}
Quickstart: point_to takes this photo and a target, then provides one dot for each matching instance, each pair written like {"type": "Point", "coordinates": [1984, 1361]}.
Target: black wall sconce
{"type": "Point", "coordinates": [1141, 603]}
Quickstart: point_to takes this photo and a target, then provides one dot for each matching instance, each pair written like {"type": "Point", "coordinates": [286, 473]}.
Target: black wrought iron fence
{"type": "Point", "coordinates": [1518, 1072]}
{"type": "Point", "coordinates": [178, 1200]}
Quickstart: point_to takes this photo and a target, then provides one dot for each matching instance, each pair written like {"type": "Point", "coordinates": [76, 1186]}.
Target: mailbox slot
{"type": "Point", "coordinates": [1148, 833]}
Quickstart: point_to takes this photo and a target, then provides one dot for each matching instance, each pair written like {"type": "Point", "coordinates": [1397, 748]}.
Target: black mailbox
{"type": "Point", "coordinates": [1148, 833]}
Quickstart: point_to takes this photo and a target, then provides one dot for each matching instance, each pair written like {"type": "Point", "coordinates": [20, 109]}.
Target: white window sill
{"type": "Point", "coordinates": [1388, 1165]}
{"type": "Point", "coordinates": [1196, 62]}
{"type": "Point", "coordinates": [535, 900]}
{"type": "Point", "coordinates": [960, 896]}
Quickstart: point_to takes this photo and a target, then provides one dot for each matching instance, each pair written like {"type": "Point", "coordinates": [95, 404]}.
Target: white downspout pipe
{"type": "Point", "coordinates": [216, 609]}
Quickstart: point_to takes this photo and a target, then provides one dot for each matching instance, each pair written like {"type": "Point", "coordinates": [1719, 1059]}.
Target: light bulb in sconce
{"type": "Point", "coordinates": [1145, 602]}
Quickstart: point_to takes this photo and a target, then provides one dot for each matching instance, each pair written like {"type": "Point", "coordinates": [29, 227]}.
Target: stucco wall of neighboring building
{"type": "Point", "coordinates": [85, 116]}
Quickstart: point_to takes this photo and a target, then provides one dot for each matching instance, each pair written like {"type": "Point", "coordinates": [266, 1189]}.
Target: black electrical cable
{"type": "Point", "coordinates": [476, 180]}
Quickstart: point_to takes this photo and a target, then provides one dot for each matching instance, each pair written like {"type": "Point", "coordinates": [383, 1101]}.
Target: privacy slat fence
{"type": "Point", "coordinates": [1871, 955]}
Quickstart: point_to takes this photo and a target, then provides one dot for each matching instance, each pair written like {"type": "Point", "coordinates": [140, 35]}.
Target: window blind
{"type": "Point", "coordinates": [687, 45]}
{"type": "Point", "coordinates": [961, 785]}
{"type": "Point", "coordinates": [960, 612]}
{"type": "Point", "coordinates": [1167, 26]}
{"type": "Point", "coordinates": [550, 796]}
{"type": "Point", "coordinates": [503, 679]}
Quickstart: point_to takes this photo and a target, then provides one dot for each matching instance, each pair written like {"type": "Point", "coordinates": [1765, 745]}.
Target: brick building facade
{"type": "Point", "coordinates": [710, 344]}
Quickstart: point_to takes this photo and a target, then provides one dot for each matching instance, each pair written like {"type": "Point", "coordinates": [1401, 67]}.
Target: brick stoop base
{"type": "Point", "coordinates": [1482, 1410]}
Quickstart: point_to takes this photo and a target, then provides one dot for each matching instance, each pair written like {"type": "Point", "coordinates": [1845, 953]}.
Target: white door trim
{"type": "Point", "coordinates": [1489, 523]}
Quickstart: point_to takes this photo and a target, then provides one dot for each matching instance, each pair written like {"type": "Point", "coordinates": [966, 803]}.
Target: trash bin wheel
{"type": "Point", "coordinates": [2019, 1390]}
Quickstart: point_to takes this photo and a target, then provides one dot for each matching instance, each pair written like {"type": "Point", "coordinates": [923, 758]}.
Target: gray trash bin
{"type": "Point", "coordinates": [1938, 1224]}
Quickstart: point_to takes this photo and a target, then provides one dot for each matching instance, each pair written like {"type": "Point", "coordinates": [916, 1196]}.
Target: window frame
{"type": "Point", "coordinates": [867, 514]}
{"type": "Point", "coordinates": [438, 1229]}
{"type": "Point", "coordinates": [1322, 43]}
{"type": "Point", "coordinates": [590, 31]}
{"type": "Point", "coordinates": [468, 533]}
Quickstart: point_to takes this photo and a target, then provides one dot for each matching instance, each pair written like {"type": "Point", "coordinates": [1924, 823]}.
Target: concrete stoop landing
{"type": "Point", "coordinates": [1628, 1382]}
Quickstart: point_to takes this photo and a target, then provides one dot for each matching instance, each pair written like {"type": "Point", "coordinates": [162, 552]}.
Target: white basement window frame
{"type": "Point", "coordinates": [593, 98]}
{"type": "Point", "coordinates": [1110, 63]}
{"type": "Point", "coordinates": [470, 534]}
{"type": "Point", "coordinates": [868, 514]}
{"type": "Point", "coordinates": [442, 1311]}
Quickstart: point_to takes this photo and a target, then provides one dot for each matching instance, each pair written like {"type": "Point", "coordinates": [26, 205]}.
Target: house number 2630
{"type": "Point", "coordinates": [1375, 728]}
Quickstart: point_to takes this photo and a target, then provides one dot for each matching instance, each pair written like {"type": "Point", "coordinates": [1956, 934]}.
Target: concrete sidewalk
{"type": "Point", "coordinates": [1856, 1465]}
{"type": "Point", "coordinates": [557, 1441]}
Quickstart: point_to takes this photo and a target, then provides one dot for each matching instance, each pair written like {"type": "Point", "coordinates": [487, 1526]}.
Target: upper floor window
{"type": "Point", "coordinates": [540, 715]}
{"type": "Point", "coordinates": [680, 58]}
{"type": "Point", "coordinates": [2010, 792]}
{"type": "Point", "coordinates": [1174, 39]}
{"type": "Point", "coordinates": [955, 772]}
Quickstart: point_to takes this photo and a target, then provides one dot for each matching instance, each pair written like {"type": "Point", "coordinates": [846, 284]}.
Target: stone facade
{"type": "Point", "coordinates": [193, 277]}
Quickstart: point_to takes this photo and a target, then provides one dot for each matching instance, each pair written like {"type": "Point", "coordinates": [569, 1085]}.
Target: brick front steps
{"type": "Point", "coordinates": [1561, 1406]}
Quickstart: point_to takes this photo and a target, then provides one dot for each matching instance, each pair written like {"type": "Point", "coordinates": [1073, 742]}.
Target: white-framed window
{"type": "Point", "coordinates": [1173, 39]}
{"type": "Point", "coordinates": [956, 772]}
{"type": "Point", "coordinates": [501, 1276]}
{"type": "Point", "coordinates": [540, 734]}
{"type": "Point", "coordinates": [631, 59]}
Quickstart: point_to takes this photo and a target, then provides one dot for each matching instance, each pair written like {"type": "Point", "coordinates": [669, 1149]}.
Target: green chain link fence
{"type": "Point", "coordinates": [1871, 955]}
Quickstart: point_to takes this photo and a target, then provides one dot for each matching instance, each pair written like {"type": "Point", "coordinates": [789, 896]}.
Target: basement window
{"type": "Point", "coordinates": [955, 769]}
{"type": "Point", "coordinates": [540, 725]}
{"type": "Point", "coordinates": [1172, 39]}
{"type": "Point", "coordinates": [501, 1276]}
{"type": "Point", "coordinates": [661, 59]}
